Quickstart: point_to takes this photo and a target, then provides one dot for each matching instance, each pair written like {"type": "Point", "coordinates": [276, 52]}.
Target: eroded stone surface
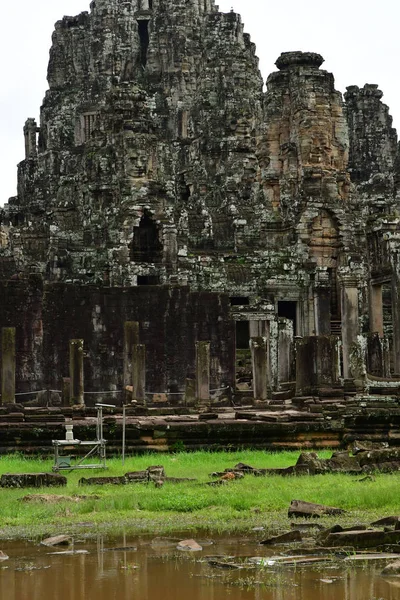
{"type": "Point", "coordinates": [299, 508]}
{"type": "Point", "coordinates": [159, 159]}
{"type": "Point", "coordinates": [34, 480]}
{"type": "Point", "coordinates": [57, 540]}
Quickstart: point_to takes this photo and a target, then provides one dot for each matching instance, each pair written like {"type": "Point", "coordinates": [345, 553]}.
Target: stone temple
{"type": "Point", "coordinates": [174, 215]}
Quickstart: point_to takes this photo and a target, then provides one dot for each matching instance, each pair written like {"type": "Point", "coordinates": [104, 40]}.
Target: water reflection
{"type": "Point", "coordinates": [152, 569]}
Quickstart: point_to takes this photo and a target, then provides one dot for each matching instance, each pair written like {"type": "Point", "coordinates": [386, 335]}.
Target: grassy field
{"type": "Point", "coordinates": [237, 506]}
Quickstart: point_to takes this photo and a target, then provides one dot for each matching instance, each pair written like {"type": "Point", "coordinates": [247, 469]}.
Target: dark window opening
{"type": "Point", "coordinates": [288, 309]}
{"type": "Point", "coordinates": [185, 194]}
{"type": "Point", "coordinates": [146, 245]}
{"type": "Point", "coordinates": [150, 4]}
{"type": "Point", "coordinates": [242, 335]}
{"type": "Point", "coordinates": [184, 189]}
{"type": "Point", "coordinates": [239, 300]}
{"type": "Point", "coordinates": [148, 280]}
{"type": "Point", "coordinates": [143, 28]}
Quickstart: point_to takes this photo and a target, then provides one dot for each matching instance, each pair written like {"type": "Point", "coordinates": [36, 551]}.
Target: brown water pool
{"type": "Point", "coordinates": [153, 569]}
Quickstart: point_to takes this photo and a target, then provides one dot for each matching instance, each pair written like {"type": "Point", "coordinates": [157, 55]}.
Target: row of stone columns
{"type": "Point", "coordinates": [134, 368]}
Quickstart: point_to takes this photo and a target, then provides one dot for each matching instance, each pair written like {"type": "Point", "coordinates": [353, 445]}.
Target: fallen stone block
{"type": "Point", "coordinates": [189, 545]}
{"type": "Point", "coordinates": [386, 521]}
{"type": "Point", "coordinates": [34, 480]}
{"type": "Point", "coordinates": [377, 458]}
{"type": "Point", "coordinates": [322, 536]}
{"type": "Point", "coordinates": [341, 462]}
{"type": "Point", "coordinates": [102, 481]}
{"type": "Point", "coordinates": [365, 445]}
{"type": "Point", "coordinates": [284, 538]}
{"type": "Point", "coordinates": [57, 540]}
{"type": "Point", "coordinates": [392, 569]}
{"type": "Point", "coordinates": [155, 473]}
{"type": "Point", "coordinates": [137, 476]}
{"type": "Point", "coordinates": [362, 539]}
{"type": "Point", "coordinates": [299, 508]}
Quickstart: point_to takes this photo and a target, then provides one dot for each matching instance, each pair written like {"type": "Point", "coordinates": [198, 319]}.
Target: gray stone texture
{"type": "Point", "coordinates": [160, 162]}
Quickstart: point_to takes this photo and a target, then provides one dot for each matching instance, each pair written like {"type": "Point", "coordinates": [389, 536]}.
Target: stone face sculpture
{"type": "Point", "coordinates": [160, 160]}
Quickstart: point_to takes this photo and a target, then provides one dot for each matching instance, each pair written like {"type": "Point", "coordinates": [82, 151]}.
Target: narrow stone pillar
{"type": "Point", "coordinates": [66, 391]}
{"type": "Point", "coordinates": [376, 310]}
{"type": "Point", "coordinates": [76, 372]}
{"type": "Point", "coordinates": [203, 369]}
{"type": "Point", "coordinates": [322, 311]}
{"type": "Point", "coordinates": [190, 392]}
{"type": "Point", "coordinates": [131, 338]}
{"type": "Point", "coordinates": [139, 373]}
{"type": "Point", "coordinates": [8, 365]}
{"type": "Point", "coordinates": [259, 361]}
{"type": "Point", "coordinates": [285, 350]}
{"type": "Point", "coordinates": [350, 321]}
{"type": "Point", "coordinates": [170, 244]}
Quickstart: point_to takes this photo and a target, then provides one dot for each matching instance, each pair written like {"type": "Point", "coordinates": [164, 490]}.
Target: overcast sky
{"type": "Point", "coordinates": [359, 40]}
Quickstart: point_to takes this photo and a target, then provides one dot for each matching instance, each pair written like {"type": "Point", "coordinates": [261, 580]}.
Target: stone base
{"type": "Point", "coordinates": [32, 480]}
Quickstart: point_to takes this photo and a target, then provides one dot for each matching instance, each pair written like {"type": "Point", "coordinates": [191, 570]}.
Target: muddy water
{"type": "Point", "coordinates": [154, 570]}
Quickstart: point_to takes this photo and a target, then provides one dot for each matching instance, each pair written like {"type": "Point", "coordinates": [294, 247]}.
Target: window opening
{"type": "Point", "coordinates": [242, 335]}
{"type": "Point", "coordinates": [239, 300]}
{"type": "Point", "coordinates": [143, 28]}
{"type": "Point", "coordinates": [185, 192]}
{"type": "Point", "coordinates": [146, 245]}
{"type": "Point", "coordinates": [288, 309]}
{"type": "Point", "coordinates": [148, 280]}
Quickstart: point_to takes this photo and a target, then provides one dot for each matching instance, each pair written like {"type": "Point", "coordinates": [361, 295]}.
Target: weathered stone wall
{"type": "Point", "coordinates": [171, 320]}
{"type": "Point", "coordinates": [159, 160]}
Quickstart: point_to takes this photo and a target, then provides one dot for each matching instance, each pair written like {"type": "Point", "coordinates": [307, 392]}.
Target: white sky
{"type": "Point", "coordinates": [359, 40]}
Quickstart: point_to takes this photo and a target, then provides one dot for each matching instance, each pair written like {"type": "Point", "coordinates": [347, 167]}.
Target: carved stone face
{"type": "Point", "coordinates": [136, 164]}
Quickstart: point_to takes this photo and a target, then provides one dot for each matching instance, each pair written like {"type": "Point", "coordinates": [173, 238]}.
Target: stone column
{"type": "Point", "coordinates": [66, 391]}
{"type": "Point", "coordinates": [376, 309]}
{"type": "Point", "coordinates": [131, 338]}
{"type": "Point", "coordinates": [170, 248]}
{"type": "Point", "coordinates": [259, 360]}
{"type": "Point", "coordinates": [285, 350]}
{"type": "Point", "coordinates": [76, 372]}
{"type": "Point", "coordinates": [203, 364]}
{"type": "Point", "coordinates": [139, 373]}
{"type": "Point", "coordinates": [350, 320]}
{"type": "Point", "coordinates": [322, 302]}
{"type": "Point", "coordinates": [8, 365]}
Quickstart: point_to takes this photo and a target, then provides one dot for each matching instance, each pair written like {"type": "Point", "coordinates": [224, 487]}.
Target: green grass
{"type": "Point", "coordinates": [236, 506]}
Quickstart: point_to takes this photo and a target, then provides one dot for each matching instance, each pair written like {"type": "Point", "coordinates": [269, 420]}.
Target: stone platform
{"type": "Point", "coordinates": [300, 423]}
